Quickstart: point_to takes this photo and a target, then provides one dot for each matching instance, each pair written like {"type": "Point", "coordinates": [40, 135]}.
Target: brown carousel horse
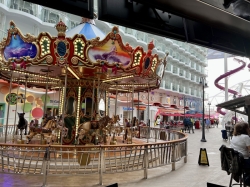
{"type": "Point", "coordinates": [50, 130]}
{"type": "Point", "coordinates": [90, 130]}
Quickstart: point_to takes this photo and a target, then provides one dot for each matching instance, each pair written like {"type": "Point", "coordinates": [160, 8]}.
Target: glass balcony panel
{"type": "Point", "coordinates": [175, 69]}
{"type": "Point", "coordinates": [192, 64]}
{"type": "Point", "coordinates": [168, 68]}
{"type": "Point", "coordinates": [181, 72]}
{"type": "Point", "coordinates": [3, 34]}
{"type": "Point", "coordinates": [174, 87]}
{"type": "Point", "coordinates": [170, 51]}
{"type": "Point", "coordinates": [181, 89]}
{"type": "Point", "coordinates": [187, 61]}
{"type": "Point", "coordinates": [168, 85]}
{"type": "Point", "coordinates": [162, 85]}
{"type": "Point", "coordinates": [128, 30]}
{"type": "Point", "coordinates": [192, 77]}
{"type": "Point", "coordinates": [140, 36]}
{"type": "Point", "coordinates": [175, 54]}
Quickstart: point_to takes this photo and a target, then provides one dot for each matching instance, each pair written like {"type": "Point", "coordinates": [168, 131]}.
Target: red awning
{"type": "Point", "coordinates": [136, 100]}
{"type": "Point", "coordinates": [174, 106]}
{"type": "Point", "coordinates": [189, 115]}
{"type": "Point", "coordinates": [140, 107]}
{"type": "Point", "coordinates": [178, 114]}
{"type": "Point", "coordinates": [157, 104]}
{"type": "Point", "coordinates": [112, 96]}
{"type": "Point", "coordinates": [198, 115]}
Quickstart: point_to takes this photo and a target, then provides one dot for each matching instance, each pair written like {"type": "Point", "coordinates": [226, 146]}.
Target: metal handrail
{"type": "Point", "coordinates": [94, 159]}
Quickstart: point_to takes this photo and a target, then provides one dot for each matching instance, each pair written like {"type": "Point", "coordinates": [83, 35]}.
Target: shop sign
{"type": "Point", "coordinates": [128, 108]}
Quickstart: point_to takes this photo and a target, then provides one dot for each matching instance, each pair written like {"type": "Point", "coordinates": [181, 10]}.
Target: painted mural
{"type": "Point", "coordinates": [109, 52]}
{"type": "Point", "coordinates": [18, 48]}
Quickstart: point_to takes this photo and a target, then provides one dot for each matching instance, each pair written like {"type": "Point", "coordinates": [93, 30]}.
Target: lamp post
{"type": "Point", "coordinates": [204, 85]}
{"type": "Point", "coordinates": [209, 110]}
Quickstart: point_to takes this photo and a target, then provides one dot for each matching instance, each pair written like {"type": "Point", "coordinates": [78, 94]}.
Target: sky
{"type": "Point", "coordinates": [216, 68]}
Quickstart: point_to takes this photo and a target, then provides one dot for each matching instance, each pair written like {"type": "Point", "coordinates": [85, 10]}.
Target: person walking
{"type": "Point", "coordinates": [208, 124]}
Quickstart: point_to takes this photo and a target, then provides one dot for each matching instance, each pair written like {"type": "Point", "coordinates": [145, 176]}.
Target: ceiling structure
{"type": "Point", "coordinates": [209, 23]}
{"type": "Point", "coordinates": [236, 104]}
{"type": "Point", "coordinates": [201, 22]}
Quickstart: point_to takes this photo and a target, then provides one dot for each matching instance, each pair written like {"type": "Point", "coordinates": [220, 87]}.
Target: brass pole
{"type": "Point", "coordinates": [64, 101]}
{"type": "Point", "coordinates": [93, 98]}
{"type": "Point", "coordinates": [8, 109]}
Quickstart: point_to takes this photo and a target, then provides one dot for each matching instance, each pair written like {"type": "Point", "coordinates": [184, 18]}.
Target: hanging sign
{"type": "Point", "coordinates": [128, 108]}
{"type": "Point", "coordinates": [203, 159]}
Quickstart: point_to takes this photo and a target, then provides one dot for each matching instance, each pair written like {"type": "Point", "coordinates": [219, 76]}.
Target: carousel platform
{"type": "Point", "coordinates": [185, 175]}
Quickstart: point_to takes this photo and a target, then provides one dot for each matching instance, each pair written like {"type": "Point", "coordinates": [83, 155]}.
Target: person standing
{"type": "Point", "coordinates": [127, 126]}
{"type": "Point", "coordinates": [208, 124]}
{"type": "Point", "coordinates": [192, 124]}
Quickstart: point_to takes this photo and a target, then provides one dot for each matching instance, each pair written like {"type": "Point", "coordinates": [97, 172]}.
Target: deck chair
{"type": "Point", "coordinates": [232, 162]}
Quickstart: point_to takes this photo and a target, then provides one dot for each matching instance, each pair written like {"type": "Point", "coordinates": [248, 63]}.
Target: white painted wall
{"type": "Point", "coordinates": [12, 108]}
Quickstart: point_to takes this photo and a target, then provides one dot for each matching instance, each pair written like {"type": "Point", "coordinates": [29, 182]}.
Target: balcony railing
{"type": "Point", "coordinates": [168, 86]}
{"type": "Point", "coordinates": [3, 34]}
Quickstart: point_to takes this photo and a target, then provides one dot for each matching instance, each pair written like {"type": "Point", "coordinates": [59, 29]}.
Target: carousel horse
{"type": "Point", "coordinates": [49, 130]}
{"type": "Point", "coordinates": [22, 124]}
{"type": "Point", "coordinates": [89, 129]}
{"type": "Point", "coordinates": [116, 125]}
{"type": "Point", "coordinates": [59, 128]}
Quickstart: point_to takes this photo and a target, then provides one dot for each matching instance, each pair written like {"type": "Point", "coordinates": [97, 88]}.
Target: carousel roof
{"type": "Point", "coordinates": [90, 31]}
{"type": "Point", "coordinates": [43, 59]}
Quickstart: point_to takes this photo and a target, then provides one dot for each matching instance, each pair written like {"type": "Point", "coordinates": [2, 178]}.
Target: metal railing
{"type": "Point", "coordinates": [168, 148]}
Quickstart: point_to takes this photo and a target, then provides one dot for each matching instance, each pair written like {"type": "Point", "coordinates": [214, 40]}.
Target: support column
{"type": "Point", "coordinates": [93, 100]}
{"type": "Point", "coordinates": [138, 111]}
{"type": "Point", "coordinates": [64, 101]}
{"type": "Point", "coordinates": [116, 95]}
{"type": "Point", "coordinates": [8, 109]}
{"type": "Point", "coordinates": [226, 78]}
{"type": "Point", "coordinates": [132, 103]}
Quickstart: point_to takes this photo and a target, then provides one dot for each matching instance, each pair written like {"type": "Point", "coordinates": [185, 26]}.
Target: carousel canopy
{"type": "Point", "coordinates": [45, 59]}
{"type": "Point", "coordinates": [89, 30]}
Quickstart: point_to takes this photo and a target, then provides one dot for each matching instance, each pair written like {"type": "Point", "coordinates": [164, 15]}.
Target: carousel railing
{"type": "Point", "coordinates": [10, 130]}
{"type": "Point", "coordinates": [100, 159]}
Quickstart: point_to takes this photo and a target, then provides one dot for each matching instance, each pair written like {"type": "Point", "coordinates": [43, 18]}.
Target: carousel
{"type": "Point", "coordinates": [84, 71]}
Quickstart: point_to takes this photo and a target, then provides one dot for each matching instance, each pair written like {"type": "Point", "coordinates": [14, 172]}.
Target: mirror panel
{"type": "Point", "coordinates": [87, 106]}
{"type": "Point", "coordinates": [101, 107]}
{"type": "Point", "coordinates": [70, 105]}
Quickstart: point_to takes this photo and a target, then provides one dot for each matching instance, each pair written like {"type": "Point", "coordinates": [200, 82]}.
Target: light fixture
{"type": "Point", "coordinates": [31, 74]}
{"type": "Point", "coordinates": [120, 90]}
{"type": "Point", "coordinates": [118, 78]}
{"type": "Point", "coordinates": [78, 106]}
{"type": "Point", "coordinates": [73, 73]}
